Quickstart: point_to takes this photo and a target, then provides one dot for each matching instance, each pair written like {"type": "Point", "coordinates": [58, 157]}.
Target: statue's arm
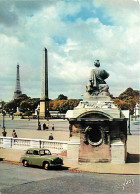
{"type": "Point", "coordinates": [105, 74]}
{"type": "Point", "coordinates": [91, 78]}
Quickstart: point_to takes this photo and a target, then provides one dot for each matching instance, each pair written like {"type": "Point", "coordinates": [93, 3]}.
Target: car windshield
{"type": "Point", "coordinates": [44, 152]}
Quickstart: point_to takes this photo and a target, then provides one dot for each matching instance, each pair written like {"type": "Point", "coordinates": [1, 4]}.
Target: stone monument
{"type": "Point", "coordinates": [17, 91]}
{"type": "Point", "coordinates": [97, 123]}
{"type": "Point", "coordinates": [44, 100]}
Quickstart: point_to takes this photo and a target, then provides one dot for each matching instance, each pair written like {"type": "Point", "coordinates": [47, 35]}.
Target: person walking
{"type": "Point", "coordinates": [51, 137]}
{"type": "Point", "coordinates": [47, 126]}
{"type": "Point", "coordinates": [44, 126]}
{"type": "Point", "coordinates": [4, 132]}
{"type": "Point", "coordinates": [52, 127]}
{"type": "Point", "coordinates": [14, 134]}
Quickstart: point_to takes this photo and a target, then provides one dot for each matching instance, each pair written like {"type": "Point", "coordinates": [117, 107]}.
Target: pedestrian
{"type": "Point", "coordinates": [47, 126]}
{"type": "Point", "coordinates": [4, 132]}
{"type": "Point", "coordinates": [44, 126]}
{"type": "Point", "coordinates": [51, 137]}
{"type": "Point", "coordinates": [52, 127]}
{"type": "Point", "coordinates": [14, 134]}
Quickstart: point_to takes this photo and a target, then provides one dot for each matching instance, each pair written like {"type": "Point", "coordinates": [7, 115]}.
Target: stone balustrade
{"type": "Point", "coordinates": [25, 143]}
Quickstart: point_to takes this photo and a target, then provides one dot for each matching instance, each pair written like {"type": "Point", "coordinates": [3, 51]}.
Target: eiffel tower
{"type": "Point", "coordinates": [18, 89]}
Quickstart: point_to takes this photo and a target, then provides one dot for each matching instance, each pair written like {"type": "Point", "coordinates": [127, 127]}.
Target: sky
{"type": "Point", "coordinates": [75, 33]}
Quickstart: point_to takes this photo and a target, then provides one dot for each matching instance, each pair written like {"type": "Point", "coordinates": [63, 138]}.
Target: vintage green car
{"type": "Point", "coordinates": [40, 157]}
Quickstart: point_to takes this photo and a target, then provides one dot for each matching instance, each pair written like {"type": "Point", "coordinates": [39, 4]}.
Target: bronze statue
{"type": "Point", "coordinates": [97, 84]}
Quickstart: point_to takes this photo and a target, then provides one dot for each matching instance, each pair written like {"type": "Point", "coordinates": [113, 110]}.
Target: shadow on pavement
{"type": "Point", "coordinates": [59, 168]}
{"type": "Point", "coordinates": [133, 158]}
{"type": "Point", "coordinates": [51, 168]}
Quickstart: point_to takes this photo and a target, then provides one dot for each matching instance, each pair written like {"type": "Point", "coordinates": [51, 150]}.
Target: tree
{"type": "Point", "coordinates": [29, 104]}
{"type": "Point", "coordinates": [11, 106]}
{"type": "Point", "coordinates": [121, 104]}
{"type": "Point", "coordinates": [24, 102]}
{"type": "Point", "coordinates": [62, 97]}
{"type": "Point", "coordinates": [63, 105]}
{"type": "Point", "coordinates": [131, 97]}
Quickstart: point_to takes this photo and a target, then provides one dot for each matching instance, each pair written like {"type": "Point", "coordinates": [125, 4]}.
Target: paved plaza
{"type": "Point", "coordinates": [24, 127]}
{"type": "Point", "coordinates": [18, 123]}
{"type": "Point", "coordinates": [28, 129]}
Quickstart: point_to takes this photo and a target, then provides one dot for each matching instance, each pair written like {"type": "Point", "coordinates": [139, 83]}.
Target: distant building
{"type": "Point", "coordinates": [137, 110]}
{"type": "Point", "coordinates": [56, 114]}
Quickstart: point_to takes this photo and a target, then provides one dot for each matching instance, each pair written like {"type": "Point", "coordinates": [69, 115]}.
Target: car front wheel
{"type": "Point", "coordinates": [25, 163]}
{"type": "Point", "coordinates": [46, 165]}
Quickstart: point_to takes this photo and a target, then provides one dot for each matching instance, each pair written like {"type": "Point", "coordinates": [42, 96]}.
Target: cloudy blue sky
{"type": "Point", "coordinates": [75, 33]}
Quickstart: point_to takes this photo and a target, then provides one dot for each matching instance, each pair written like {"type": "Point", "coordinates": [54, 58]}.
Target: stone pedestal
{"type": "Point", "coordinates": [42, 109]}
{"type": "Point", "coordinates": [118, 151]}
{"type": "Point", "coordinates": [73, 151]}
{"type": "Point", "coordinates": [98, 125]}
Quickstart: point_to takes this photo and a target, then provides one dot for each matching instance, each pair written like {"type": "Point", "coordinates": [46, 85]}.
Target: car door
{"type": "Point", "coordinates": [35, 160]}
{"type": "Point", "coordinates": [28, 157]}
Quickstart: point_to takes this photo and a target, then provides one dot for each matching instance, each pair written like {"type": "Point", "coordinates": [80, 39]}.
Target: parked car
{"type": "Point", "coordinates": [40, 157]}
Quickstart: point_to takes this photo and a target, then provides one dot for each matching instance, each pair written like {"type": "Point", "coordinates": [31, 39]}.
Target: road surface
{"type": "Point", "coordinates": [16, 179]}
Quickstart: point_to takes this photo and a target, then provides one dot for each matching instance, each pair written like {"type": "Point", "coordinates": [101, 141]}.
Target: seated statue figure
{"type": "Point", "coordinates": [97, 85]}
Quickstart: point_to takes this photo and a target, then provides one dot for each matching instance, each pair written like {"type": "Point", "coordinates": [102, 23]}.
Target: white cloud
{"type": "Point", "coordinates": [70, 62]}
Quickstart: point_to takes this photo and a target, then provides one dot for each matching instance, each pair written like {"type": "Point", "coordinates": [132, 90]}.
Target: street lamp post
{"type": "Point", "coordinates": [3, 113]}
{"type": "Point", "coordinates": [39, 126]}
{"type": "Point", "coordinates": [129, 133]}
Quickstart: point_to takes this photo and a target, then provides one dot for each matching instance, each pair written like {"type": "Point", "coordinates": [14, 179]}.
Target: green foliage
{"type": "Point", "coordinates": [62, 97]}
{"type": "Point", "coordinates": [27, 113]}
{"type": "Point", "coordinates": [63, 105]}
{"type": "Point", "coordinates": [126, 100]}
{"type": "Point", "coordinates": [130, 97]}
{"type": "Point", "coordinates": [22, 97]}
{"type": "Point", "coordinates": [11, 106]}
{"type": "Point", "coordinates": [121, 104]}
{"type": "Point", "coordinates": [29, 105]}
{"type": "Point", "coordinates": [24, 102]}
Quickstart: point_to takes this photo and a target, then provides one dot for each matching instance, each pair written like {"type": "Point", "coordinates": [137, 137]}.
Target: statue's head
{"type": "Point", "coordinates": [97, 63]}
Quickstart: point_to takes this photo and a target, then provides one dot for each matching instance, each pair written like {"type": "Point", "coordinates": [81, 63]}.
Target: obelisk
{"type": "Point", "coordinates": [44, 100]}
{"type": "Point", "coordinates": [17, 91]}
